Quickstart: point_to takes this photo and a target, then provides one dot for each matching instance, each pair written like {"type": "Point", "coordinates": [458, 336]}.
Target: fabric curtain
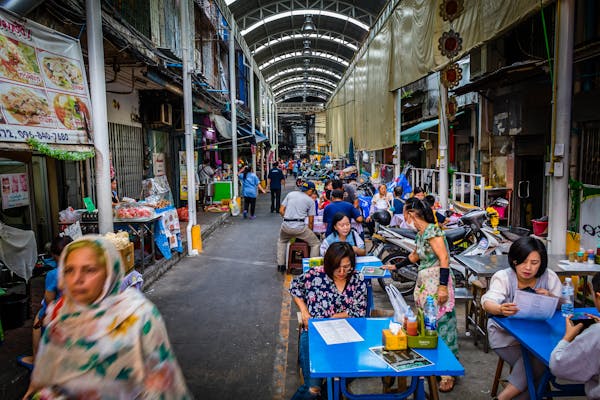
{"type": "Point", "coordinates": [404, 51]}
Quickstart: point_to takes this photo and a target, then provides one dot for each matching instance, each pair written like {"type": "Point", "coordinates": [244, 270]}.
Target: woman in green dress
{"type": "Point", "coordinates": [434, 277]}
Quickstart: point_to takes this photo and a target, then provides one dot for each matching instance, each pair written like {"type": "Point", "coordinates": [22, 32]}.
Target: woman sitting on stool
{"type": "Point", "coordinates": [335, 290]}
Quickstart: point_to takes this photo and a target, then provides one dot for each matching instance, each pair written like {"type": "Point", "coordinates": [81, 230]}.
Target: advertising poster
{"type": "Point", "coordinates": [183, 189]}
{"type": "Point", "coordinates": [43, 88]}
{"type": "Point", "coordinates": [589, 220]}
{"type": "Point", "coordinates": [15, 190]}
{"type": "Point", "coordinates": [158, 164]}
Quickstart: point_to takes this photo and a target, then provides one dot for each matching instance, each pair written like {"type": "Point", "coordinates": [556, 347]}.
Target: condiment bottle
{"type": "Point", "coordinates": [411, 325]}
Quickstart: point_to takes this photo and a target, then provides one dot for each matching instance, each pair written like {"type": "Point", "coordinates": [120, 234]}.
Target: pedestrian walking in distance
{"type": "Point", "coordinates": [250, 188]}
{"type": "Point", "coordinates": [296, 208]}
{"type": "Point", "coordinates": [276, 180]}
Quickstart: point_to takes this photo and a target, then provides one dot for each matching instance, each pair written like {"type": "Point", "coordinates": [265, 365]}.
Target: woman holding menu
{"type": "Point", "coordinates": [335, 290]}
{"type": "Point", "coordinates": [528, 261]}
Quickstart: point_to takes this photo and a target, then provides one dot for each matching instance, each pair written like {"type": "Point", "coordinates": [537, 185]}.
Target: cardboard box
{"type": "Point", "coordinates": [394, 342]}
{"type": "Point", "coordinates": [128, 257]}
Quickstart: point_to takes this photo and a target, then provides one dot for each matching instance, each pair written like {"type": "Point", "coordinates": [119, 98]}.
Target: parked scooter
{"type": "Point", "coordinates": [474, 236]}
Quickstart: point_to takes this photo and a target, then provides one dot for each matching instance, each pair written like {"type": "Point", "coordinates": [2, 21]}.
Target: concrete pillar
{"type": "Point", "coordinates": [232, 100]}
{"type": "Point", "coordinates": [188, 113]}
{"type": "Point", "coordinates": [443, 147]}
{"type": "Point", "coordinates": [99, 116]}
{"type": "Point", "coordinates": [398, 130]}
{"type": "Point", "coordinates": [561, 126]}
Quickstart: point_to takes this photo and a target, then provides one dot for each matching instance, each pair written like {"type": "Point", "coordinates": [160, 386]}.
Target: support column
{"type": "Point", "coordinates": [233, 105]}
{"type": "Point", "coordinates": [475, 113]}
{"type": "Point", "coordinates": [253, 119]}
{"type": "Point", "coordinates": [398, 131]}
{"type": "Point", "coordinates": [561, 126]}
{"type": "Point", "coordinates": [443, 146]}
{"type": "Point", "coordinates": [276, 128]}
{"type": "Point", "coordinates": [99, 116]}
{"type": "Point", "coordinates": [188, 115]}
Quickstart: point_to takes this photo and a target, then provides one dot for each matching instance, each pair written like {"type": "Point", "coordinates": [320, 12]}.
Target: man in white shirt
{"type": "Point", "coordinates": [295, 208]}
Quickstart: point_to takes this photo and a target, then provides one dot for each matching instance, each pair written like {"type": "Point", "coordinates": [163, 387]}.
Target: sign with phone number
{"type": "Point", "coordinates": [10, 133]}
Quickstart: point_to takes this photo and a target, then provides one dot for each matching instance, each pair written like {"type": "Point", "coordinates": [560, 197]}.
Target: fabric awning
{"type": "Point", "coordinates": [260, 137]}
{"type": "Point", "coordinates": [223, 126]}
{"type": "Point", "coordinates": [413, 134]}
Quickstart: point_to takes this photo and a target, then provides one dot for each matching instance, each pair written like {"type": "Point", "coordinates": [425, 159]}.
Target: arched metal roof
{"type": "Point", "coordinates": [273, 31]}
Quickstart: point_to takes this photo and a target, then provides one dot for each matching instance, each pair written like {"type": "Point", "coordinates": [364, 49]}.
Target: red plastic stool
{"type": "Point", "coordinates": [297, 251]}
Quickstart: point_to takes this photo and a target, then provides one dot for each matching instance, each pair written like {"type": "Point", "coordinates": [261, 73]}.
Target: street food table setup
{"type": "Point", "coordinates": [484, 267]}
{"type": "Point", "coordinates": [537, 339]}
{"type": "Point", "coordinates": [358, 359]}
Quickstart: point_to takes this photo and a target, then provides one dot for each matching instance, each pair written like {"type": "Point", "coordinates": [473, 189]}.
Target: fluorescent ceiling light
{"type": "Point", "coordinates": [300, 69]}
{"type": "Point", "coordinates": [302, 87]}
{"type": "Point", "coordinates": [300, 36]}
{"type": "Point", "coordinates": [292, 13]}
{"type": "Point", "coordinates": [300, 79]}
{"type": "Point", "coordinates": [318, 54]}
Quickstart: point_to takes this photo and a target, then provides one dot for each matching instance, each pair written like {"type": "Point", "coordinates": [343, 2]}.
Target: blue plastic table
{"type": "Point", "coordinates": [538, 338]}
{"type": "Point", "coordinates": [355, 360]}
{"type": "Point", "coordinates": [361, 263]}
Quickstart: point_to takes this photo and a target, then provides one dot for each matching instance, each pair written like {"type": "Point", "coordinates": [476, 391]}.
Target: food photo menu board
{"type": "Point", "coordinates": [43, 88]}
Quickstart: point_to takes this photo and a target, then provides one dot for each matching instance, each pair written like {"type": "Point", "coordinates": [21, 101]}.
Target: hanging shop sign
{"type": "Point", "coordinates": [158, 164]}
{"type": "Point", "coordinates": [43, 88]}
{"type": "Point", "coordinates": [183, 186]}
{"type": "Point", "coordinates": [15, 190]}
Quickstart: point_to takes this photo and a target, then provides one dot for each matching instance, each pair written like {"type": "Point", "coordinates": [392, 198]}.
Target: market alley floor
{"type": "Point", "coordinates": [233, 325]}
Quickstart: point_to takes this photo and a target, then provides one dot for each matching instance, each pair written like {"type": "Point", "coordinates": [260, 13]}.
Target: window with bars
{"type": "Point", "coordinates": [134, 12]}
{"type": "Point", "coordinates": [589, 147]}
{"type": "Point", "coordinates": [126, 145]}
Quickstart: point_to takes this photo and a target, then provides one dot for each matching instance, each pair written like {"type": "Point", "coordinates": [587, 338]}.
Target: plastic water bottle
{"type": "Point", "coordinates": [430, 317]}
{"type": "Point", "coordinates": [567, 295]}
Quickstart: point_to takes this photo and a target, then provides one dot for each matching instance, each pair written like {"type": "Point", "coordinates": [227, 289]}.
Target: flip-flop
{"type": "Point", "coordinates": [23, 363]}
{"type": "Point", "coordinates": [447, 380]}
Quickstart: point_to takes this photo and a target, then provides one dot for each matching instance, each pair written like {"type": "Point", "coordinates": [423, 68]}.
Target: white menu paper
{"type": "Point", "coordinates": [534, 306]}
{"type": "Point", "coordinates": [337, 331]}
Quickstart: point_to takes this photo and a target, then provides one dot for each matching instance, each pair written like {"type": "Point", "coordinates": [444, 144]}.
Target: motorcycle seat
{"type": "Point", "coordinates": [452, 235]}
{"type": "Point", "coordinates": [407, 233]}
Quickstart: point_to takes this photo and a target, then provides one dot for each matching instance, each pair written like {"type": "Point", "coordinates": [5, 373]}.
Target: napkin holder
{"type": "Point", "coordinates": [394, 342]}
{"type": "Point", "coordinates": [422, 341]}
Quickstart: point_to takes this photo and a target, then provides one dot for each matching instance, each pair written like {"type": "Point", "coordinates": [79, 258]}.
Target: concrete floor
{"type": "Point", "coordinates": [233, 325]}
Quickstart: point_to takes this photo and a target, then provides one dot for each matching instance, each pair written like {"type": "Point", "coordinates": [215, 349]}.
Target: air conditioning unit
{"type": "Point", "coordinates": [487, 58]}
{"type": "Point", "coordinates": [166, 114]}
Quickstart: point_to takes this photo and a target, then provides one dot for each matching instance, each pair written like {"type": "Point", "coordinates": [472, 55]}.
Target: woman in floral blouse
{"type": "Point", "coordinates": [101, 343]}
{"type": "Point", "coordinates": [335, 290]}
{"type": "Point", "coordinates": [434, 277]}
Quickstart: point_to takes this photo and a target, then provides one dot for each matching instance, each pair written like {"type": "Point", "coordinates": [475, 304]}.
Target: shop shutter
{"type": "Point", "coordinates": [127, 150]}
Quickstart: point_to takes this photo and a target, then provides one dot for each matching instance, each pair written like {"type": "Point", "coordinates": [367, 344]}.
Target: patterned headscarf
{"type": "Point", "coordinates": [116, 347]}
{"type": "Point", "coordinates": [105, 251]}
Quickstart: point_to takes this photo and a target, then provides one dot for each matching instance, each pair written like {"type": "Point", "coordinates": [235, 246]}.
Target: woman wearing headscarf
{"type": "Point", "coordinates": [99, 342]}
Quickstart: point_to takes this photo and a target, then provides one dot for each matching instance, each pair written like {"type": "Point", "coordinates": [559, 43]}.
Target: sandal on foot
{"type": "Point", "coordinates": [446, 384]}
{"type": "Point", "coordinates": [21, 361]}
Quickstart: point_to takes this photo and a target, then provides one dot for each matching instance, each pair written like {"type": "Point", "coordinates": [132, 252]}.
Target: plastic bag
{"type": "Point", "coordinates": [74, 231]}
{"type": "Point", "coordinates": [157, 189]}
{"type": "Point", "coordinates": [68, 216]}
{"type": "Point", "coordinates": [183, 214]}
{"type": "Point", "coordinates": [235, 208]}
